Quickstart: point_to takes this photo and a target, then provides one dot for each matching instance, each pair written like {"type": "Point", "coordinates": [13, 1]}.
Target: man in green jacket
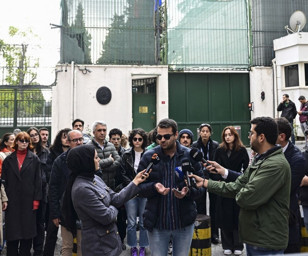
{"type": "Point", "coordinates": [262, 192]}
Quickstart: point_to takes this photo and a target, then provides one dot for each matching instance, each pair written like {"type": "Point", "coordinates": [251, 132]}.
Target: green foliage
{"type": "Point", "coordinates": [19, 66]}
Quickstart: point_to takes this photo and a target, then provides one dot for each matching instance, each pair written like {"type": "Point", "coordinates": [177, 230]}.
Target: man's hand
{"type": "Point", "coordinates": [200, 182]}
{"type": "Point", "coordinates": [180, 194]}
{"type": "Point", "coordinates": [4, 206]}
{"type": "Point", "coordinates": [299, 112]}
{"type": "Point", "coordinates": [161, 189]}
{"type": "Point", "coordinates": [110, 156]}
{"type": "Point", "coordinates": [56, 222]}
{"type": "Point", "coordinates": [215, 168]}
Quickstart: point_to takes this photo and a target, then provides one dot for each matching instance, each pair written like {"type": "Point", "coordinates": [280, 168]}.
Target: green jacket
{"type": "Point", "coordinates": [263, 194]}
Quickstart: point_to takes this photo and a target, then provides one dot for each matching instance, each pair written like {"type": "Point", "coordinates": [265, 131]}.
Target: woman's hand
{"type": "Point", "coordinates": [141, 177]}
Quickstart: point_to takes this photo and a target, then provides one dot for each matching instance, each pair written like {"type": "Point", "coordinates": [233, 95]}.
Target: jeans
{"type": "Point", "coordinates": [254, 250]}
{"type": "Point", "coordinates": [181, 241]}
{"type": "Point", "coordinates": [135, 207]}
{"type": "Point", "coordinates": [305, 211]}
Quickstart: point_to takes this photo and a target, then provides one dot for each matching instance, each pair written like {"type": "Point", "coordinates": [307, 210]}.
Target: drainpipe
{"type": "Point", "coordinates": [275, 87]}
{"type": "Point", "coordinates": [73, 83]}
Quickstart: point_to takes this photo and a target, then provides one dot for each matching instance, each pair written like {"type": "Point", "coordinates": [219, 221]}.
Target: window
{"type": "Point", "coordinates": [306, 74]}
{"type": "Point", "coordinates": [291, 76]}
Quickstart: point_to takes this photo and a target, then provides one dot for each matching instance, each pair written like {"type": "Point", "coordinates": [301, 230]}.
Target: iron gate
{"type": "Point", "coordinates": [24, 106]}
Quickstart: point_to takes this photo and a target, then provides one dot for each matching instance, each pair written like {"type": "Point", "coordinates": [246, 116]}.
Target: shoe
{"type": "Point", "coordinates": [170, 249]}
{"type": "Point", "coordinates": [215, 239]}
{"type": "Point", "coordinates": [227, 252]}
{"type": "Point", "coordinates": [142, 251]}
{"type": "Point", "coordinates": [134, 251]}
{"type": "Point", "coordinates": [238, 252]}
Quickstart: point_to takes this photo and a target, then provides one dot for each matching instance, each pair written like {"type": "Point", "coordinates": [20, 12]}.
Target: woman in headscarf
{"type": "Point", "coordinates": [95, 203]}
{"type": "Point", "coordinates": [21, 171]}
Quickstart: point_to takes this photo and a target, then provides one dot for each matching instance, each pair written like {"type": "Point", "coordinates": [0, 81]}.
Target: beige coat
{"type": "Point", "coordinates": [3, 198]}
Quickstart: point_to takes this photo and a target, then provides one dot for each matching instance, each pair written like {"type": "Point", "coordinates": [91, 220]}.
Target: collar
{"type": "Point", "coordinates": [285, 147]}
{"type": "Point", "coordinates": [267, 153]}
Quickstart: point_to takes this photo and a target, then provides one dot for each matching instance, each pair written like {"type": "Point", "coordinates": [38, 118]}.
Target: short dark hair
{"type": "Point", "coordinates": [286, 95]}
{"type": "Point", "coordinates": [77, 120]}
{"type": "Point", "coordinates": [152, 135]}
{"type": "Point", "coordinates": [301, 97]}
{"type": "Point", "coordinates": [43, 129]}
{"type": "Point", "coordinates": [268, 127]}
{"type": "Point", "coordinates": [115, 131]}
{"type": "Point", "coordinates": [142, 133]}
{"type": "Point", "coordinates": [167, 123]}
{"type": "Point", "coordinates": [284, 127]}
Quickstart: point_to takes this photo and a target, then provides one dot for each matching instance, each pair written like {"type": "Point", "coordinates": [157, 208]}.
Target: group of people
{"type": "Point", "coordinates": [100, 191]}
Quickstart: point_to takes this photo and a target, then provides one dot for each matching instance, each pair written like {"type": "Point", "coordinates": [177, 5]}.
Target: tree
{"type": "Point", "coordinates": [19, 66]}
{"type": "Point", "coordinates": [19, 71]}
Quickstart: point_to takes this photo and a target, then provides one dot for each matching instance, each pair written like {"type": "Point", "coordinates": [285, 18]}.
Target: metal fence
{"type": "Point", "coordinates": [25, 106]}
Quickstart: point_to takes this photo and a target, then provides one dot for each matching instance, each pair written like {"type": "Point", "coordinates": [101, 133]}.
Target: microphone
{"type": "Point", "coordinates": [154, 160]}
{"type": "Point", "coordinates": [198, 156]}
{"type": "Point", "coordinates": [188, 170]}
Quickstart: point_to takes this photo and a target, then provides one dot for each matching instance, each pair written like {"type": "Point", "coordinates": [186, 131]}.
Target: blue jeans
{"type": "Point", "coordinates": [135, 207]}
{"type": "Point", "coordinates": [305, 211]}
{"type": "Point", "coordinates": [181, 241]}
{"type": "Point", "coordinates": [254, 250]}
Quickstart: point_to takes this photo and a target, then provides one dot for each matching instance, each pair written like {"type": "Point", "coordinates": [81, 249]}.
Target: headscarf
{"type": "Point", "coordinates": [80, 161]}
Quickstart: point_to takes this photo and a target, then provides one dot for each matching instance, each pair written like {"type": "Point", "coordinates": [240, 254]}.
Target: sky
{"type": "Point", "coordinates": [37, 16]}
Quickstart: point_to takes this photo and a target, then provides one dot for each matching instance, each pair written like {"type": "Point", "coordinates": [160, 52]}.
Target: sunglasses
{"type": "Point", "coordinates": [24, 141]}
{"type": "Point", "coordinates": [139, 139]}
{"type": "Point", "coordinates": [166, 136]}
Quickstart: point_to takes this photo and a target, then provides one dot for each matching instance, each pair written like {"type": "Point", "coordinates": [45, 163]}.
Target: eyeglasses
{"type": "Point", "coordinates": [77, 139]}
{"type": "Point", "coordinates": [33, 135]}
{"type": "Point", "coordinates": [166, 136]}
{"type": "Point", "coordinates": [23, 141]}
{"type": "Point", "coordinates": [139, 139]}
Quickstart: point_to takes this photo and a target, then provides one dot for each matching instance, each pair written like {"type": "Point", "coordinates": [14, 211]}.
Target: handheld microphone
{"type": "Point", "coordinates": [197, 156]}
{"type": "Point", "coordinates": [188, 170]}
{"type": "Point", "coordinates": [154, 160]}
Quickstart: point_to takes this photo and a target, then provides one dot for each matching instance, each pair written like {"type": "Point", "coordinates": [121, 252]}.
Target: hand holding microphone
{"type": "Point", "coordinates": [154, 160]}
{"type": "Point", "coordinates": [197, 156]}
{"type": "Point", "coordinates": [188, 170]}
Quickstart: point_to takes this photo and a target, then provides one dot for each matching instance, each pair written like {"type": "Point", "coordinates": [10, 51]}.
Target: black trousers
{"type": "Point", "coordinates": [24, 247]}
{"type": "Point", "coordinates": [51, 239]}
{"type": "Point", "coordinates": [214, 228]}
{"type": "Point", "coordinates": [38, 241]}
{"type": "Point", "coordinates": [121, 222]}
{"type": "Point", "coordinates": [230, 240]}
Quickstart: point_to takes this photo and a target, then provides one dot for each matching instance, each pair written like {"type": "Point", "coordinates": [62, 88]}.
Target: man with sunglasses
{"type": "Point", "coordinates": [57, 185]}
{"type": "Point", "coordinates": [110, 159]}
{"type": "Point", "coordinates": [170, 211]}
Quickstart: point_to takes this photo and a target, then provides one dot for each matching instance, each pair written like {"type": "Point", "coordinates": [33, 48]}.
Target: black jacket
{"type": "Point", "coordinates": [289, 112]}
{"type": "Point", "coordinates": [227, 210]}
{"type": "Point", "coordinates": [127, 165]}
{"type": "Point", "coordinates": [22, 188]}
{"type": "Point", "coordinates": [187, 211]}
{"type": "Point", "coordinates": [297, 163]}
{"type": "Point", "coordinates": [57, 184]}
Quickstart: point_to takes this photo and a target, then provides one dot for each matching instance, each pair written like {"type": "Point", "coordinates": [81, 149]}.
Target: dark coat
{"type": "Point", "coordinates": [22, 188]}
{"type": "Point", "coordinates": [227, 210]}
{"type": "Point", "coordinates": [289, 112]}
{"type": "Point", "coordinates": [187, 211]}
{"type": "Point", "coordinates": [95, 204]}
{"type": "Point", "coordinates": [127, 165]}
{"type": "Point", "coordinates": [58, 180]}
{"type": "Point", "coordinates": [297, 163]}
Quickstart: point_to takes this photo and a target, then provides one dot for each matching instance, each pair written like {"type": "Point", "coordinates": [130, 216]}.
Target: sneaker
{"type": "Point", "coordinates": [142, 251]}
{"type": "Point", "coordinates": [134, 251]}
{"type": "Point", "coordinates": [170, 248]}
{"type": "Point", "coordinates": [238, 252]}
{"type": "Point", "coordinates": [227, 252]}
